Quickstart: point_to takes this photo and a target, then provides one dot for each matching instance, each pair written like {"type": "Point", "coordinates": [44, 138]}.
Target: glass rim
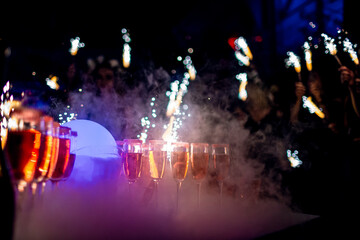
{"type": "Point", "coordinates": [199, 143]}
{"type": "Point", "coordinates": [157, 141]}
{"type": "Point", "coordinates": [132, 140]}
{"type": "Point", "coordinates": [180, 143]}
{"type": "Point", "coordinates": [220, 145]}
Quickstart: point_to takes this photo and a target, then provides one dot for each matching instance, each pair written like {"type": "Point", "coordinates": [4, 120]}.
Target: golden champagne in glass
{"type": "Point", "coordinates": [179, 164]}
{"type": "Point", "coordinates": [199, 164]}
{"type": "Point", "coordinates": [157, 160]}
{"type": "Point", "coordinates": [221, 159]}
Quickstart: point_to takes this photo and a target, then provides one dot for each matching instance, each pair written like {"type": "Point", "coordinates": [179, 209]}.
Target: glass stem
{"type": "Point", "coordinates": [130, 191]}
{"type": "Point", "coordinates": [156, 194]}
{"type": "Point", "coordinates": [198, 195]}
{"type": "Point", "coordinates": [221, 193]}
{"type": "Point", "coordinates": [178, 186]}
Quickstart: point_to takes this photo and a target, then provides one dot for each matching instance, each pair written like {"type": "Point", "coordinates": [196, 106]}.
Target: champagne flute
{"type": "Point", "coordinates": [199, 164]}
{"type": "Point", "coordinates": [132, 151]}
{"type": "Point", "coordinates": [179, 165]}
{"type": "Point", "coordinates": [54, 154]}
{"type": "Point", "coordinates": [70, 165]}
{"type": "Point", "coordinates": [63, 155]}
{"type": "Point", "coordinates": [157, 159]}
{"type": "Point", "coordinates": [23, 144]}
{"type": "Point", "coordinates": [46, 145]}
{"type": "Point", "coordinates": [220, 153]}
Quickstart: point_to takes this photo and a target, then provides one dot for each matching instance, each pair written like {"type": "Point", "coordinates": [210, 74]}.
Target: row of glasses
{"type": "Point", "coordinates": [134, 154]}
{"type": "Point", "coordinates": [38, 149]}
{"type": "Point", "coordinates": [199, 158]}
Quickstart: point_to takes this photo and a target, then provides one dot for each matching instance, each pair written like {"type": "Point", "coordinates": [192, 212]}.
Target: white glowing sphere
{"type": "Point", "coordinates": [97, 157]}
{"type": "Point", "coordinates": [92, 140]}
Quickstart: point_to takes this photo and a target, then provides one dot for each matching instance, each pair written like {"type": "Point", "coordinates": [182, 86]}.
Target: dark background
{"type": "Point", "coordinates": [39, 35]}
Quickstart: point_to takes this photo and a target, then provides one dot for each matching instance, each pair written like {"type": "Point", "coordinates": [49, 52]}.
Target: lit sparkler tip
{"type": "Point", "coordinates": [126, 48]}
{"type": "Point", "coordinates": [348, 47]}
{"type": "Point", "coordinates": [51, 81]}
{"type": "Point", "coordinates": [308, 56]}
{"type": "Point", "coordinates": [293, 158]}
{"type": "Point", "coordinates": [294, 61]}
{"type": "Point", "coordinates": [329, 44]}
{"type": "Point", "coordinates": [75, 45]}
{"type": "Point", "coordinates": [243, 60]}
{"type": "Point", "coordinates": [242, 77]}
{"type": "Point", "coordinates": [126, 55]}
{"type": "Point", "coordinates": [308, 103]}
{"type": "Point", "coordinates": [240, 43]}
{"type": "Point", "coordinates": [192, 72]}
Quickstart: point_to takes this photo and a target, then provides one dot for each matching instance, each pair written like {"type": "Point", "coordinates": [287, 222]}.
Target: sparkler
{"type": "Point", "coordinates": [240, 43]}
{"type": "Point", "coordinates": [243, 60]}
{"type": "Point", "coordinates": [293, 158]}
{"type": "Point", "coordinates": [331, 47]}
{"type": "Point", "coordinates": [294, 61]}
{"type": "Point", "coordinates": [126, 48]}
{"type": "Point", "coordinates": [308, 56]}
{"type": "Point", "coordinates": [51, 81]}
{"type": "Point", "coordinates": [308, 103]}
{"type": "Point", "coordinates": [7, 105]}
{"type": "Point", "coordinates": [348, 47]}
{"type": "Point", "coordinates": [75, 45]}
{"type": "Point", "coordinates": [190, 66]}
{"type": "Point", "coordinates": [242, 77]}
{"type": "Point", "coordinates": [178, 90]}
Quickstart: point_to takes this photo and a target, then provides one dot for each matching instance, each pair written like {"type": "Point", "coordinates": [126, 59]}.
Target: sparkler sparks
{"type": "Point", "coordinates": [146, 122]}
{"type": "Point", "coordinates": [293, 61]}
{"type": "Point", "coordinates": [348, 47]}
{"type": "Point", "coordinates": [242, 52]}
{"type": "Point", "coordinates": [242, 77]}
{"type": "Point", "coordinates": [126, 48]}
{"type": "Point", "coordinates": [308, 56]}
{"type": "Point", "coordinates": [7, 104]}
{"type": "Point", "coordinates": [308, 103]}
{"type": "Point", "coordinates": [240, 43]}
{"type": "Point", "coordinates": [330, 47]}
{"type": "Point", "coordinates": [178, 90]}
{"type": "Point", "coordinates": [243, 59]}
{"type": "Point", "coordinates": [189, 66]}
{"type": "Point", "coordinates": [75, 45]}
{"type": "Point", "coordinates": [293, 158]}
